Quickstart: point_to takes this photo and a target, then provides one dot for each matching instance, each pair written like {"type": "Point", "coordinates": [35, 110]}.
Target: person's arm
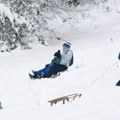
{"type": "Point", "coordinates": [56, 61]}
{"type": "Point", "coordinates": [47, 65]}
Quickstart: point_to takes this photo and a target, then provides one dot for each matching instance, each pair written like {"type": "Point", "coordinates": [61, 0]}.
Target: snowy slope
{"type": "Point", "coordinates": [95, 42]}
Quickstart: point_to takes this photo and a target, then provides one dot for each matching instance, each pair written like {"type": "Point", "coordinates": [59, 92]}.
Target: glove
{"type": "Point", "coordinates": [47, 65]}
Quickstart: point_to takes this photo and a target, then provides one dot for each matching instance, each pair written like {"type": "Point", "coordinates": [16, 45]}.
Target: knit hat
{"type": "Point", "coordinates": [58, 54]}
{"type": "Point", "coordinates": [67, 44]}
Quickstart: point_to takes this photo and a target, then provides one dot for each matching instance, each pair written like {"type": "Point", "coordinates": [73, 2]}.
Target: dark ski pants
{"type": "Point", "coordinates": [60, 68]}
{"type": "Point", "coordinates": [55, 70]}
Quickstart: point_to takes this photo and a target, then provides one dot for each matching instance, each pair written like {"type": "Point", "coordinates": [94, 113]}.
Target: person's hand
{"type": "Point", "coordinates": [47, 65]}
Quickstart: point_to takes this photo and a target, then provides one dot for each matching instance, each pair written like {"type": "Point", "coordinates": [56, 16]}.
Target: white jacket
{"type": "Point", "coordinates": [66, 58]}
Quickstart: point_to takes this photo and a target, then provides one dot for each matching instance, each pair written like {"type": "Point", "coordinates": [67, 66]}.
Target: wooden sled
{"type": "Point", "coordinates": [65, 98]}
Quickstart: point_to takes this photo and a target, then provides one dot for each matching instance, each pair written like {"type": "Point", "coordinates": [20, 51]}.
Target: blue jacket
{"type": "Point", "coordinates": [119, 56]}
{"type": "Point", "coordinates": [54, 62]}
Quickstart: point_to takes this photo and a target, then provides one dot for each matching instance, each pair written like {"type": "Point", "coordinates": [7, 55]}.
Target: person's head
{"type": "Point", "coordinates": [57, 54]}
{"type": "Point", "coordinates": [66, 46]}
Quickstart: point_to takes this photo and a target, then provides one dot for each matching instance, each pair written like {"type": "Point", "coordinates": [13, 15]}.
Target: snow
{"type": "Point", "coordinates": [95, 42]}
{"type": "Point", "coordinates": [6, 12]}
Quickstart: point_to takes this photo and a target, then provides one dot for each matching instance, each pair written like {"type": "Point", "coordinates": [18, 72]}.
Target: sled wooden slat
{"type": "Point", "coordinates": [64, 98]}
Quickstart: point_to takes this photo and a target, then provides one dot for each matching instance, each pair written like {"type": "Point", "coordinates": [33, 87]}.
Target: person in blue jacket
{"type": "Point", "coordinates": [119, 56]}
{"type": "Point", "coordinates": [41, 73]}
{"type": "Point", "coordinates": [118, 83]}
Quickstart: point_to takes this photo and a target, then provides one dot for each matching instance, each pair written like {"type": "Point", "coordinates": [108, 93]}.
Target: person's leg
{"type": "Point", "coordinates": [32, 76]}
{"type": "Point", "coordinates": [62, 68]}
{"type": "Point", "coordinates": [54, 70]}
{"type": "Point", "coordinates": [42, 71]}
{"type": "Point", "coordinates": [39, 73]}
{"type": "Point", "coordinates": [49, 72]}
{"type": "Point", "coordinates": [59, 68]}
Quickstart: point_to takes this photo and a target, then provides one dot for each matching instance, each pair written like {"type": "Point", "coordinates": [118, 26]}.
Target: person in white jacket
{"type": "Point", "coordinates": [66, 57]}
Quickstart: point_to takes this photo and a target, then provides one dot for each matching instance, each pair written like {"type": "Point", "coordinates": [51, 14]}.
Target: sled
{"type": "Point", "coordinates": [65, 98]}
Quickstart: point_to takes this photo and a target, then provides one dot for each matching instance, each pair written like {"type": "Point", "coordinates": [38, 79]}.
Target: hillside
{"type": "Point", "coordinates": [96, 44]}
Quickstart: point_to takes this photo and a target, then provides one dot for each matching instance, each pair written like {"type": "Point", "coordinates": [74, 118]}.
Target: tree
{"type": "Point", "coordinates": [30, 19]}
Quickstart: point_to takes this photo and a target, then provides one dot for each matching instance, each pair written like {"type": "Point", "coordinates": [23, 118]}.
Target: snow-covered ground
{"type": "Point", "coordinates": [96, 44]}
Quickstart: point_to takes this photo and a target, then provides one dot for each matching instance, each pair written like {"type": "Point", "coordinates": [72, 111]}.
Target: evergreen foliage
{"type": "Point", "coordinates": [29, 20]}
